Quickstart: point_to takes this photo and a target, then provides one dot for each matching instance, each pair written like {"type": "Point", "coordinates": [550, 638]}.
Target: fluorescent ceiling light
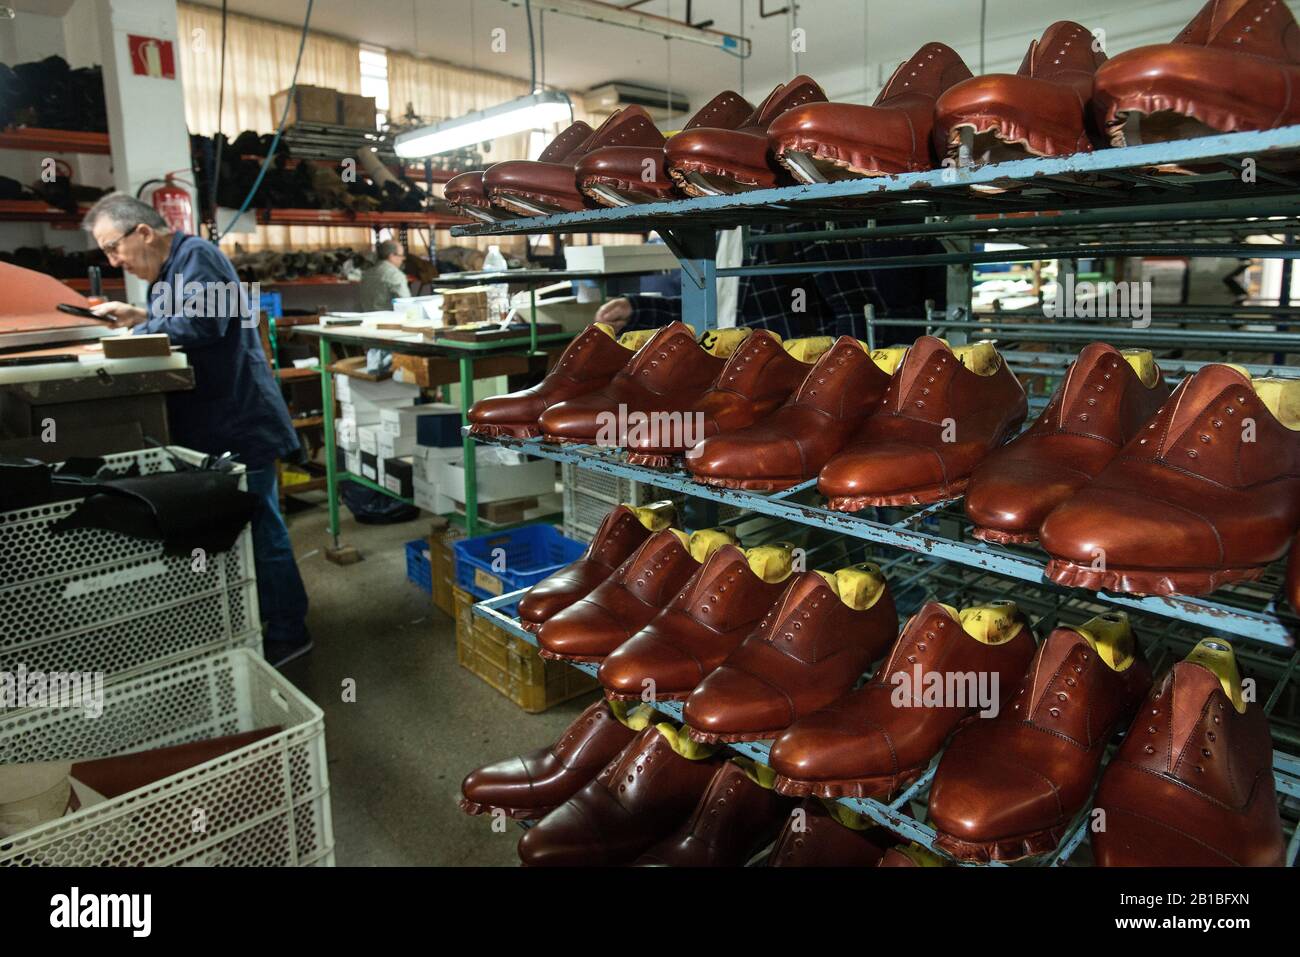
{"type": "Point", "coordinates": [624, 16]}
{"type": "Point", "coordinates": [514, 116]}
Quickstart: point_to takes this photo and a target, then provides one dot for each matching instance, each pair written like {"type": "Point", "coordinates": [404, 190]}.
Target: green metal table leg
{"type": "Point", "coordinates": [331, 465]}
{"type": "Point", "coordinates": [468, 445]}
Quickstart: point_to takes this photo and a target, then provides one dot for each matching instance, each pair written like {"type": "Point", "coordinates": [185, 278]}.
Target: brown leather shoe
{"type": "Point", "coordinates": [621, 533]}
{"type": "Point", "coordinates": [665, 378]}
{"type": "Point", "coordinates": [911, 855]}
{"type": "Point", "coordinates": [822, 835]}
{"type": "Point", "coordinates": [824, 142]}
{"type": "Point", "coordinates": [1235, 67]}
{"type": "Point", "coordinates": [588, 363]}
{"type": "Point", "coordinates": [541, 187]}
{"type": "Point", "coordinates": [534, 784]}
{"type": "Point", "coordinates": [1007, 788]}
{"type": "Point", "coordinates": [715, 161]}
{"type": "Point", "coordinates": [795, 441]}
{"type": "Point", "coordinates": [623, 175]}
{"type": "Point", "coordinates": [736, 818]}
{"type": "Point", "coordinates": [703, 624]}
{"type": "Point", "coordinates": [1192, 784]}
{"type": "Point", "coordinates": [1208, 493]}
{"type": "Point", "coordinates": [874, 742]}
{"type": "Point", "coordinates": [808, 650]}
{"type": "Point", "coordinates": [759, 377]}
{"type": "Point", "coordinates": [635, 802]}
{"type": "Point", "coordinates": [1102, 403]}
{"type": "Point", "coordinates": [1040, 110]}
{"type": "Point", "coordinates": [624, 603]}
{"type": "Point", "coordinates": [942, 413]}
{"type": "Point", "coordinates": [467, 193]}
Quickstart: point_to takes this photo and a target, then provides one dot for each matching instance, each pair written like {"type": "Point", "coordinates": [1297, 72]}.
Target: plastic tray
{"type": "Point", "coordinates": [526, 556]}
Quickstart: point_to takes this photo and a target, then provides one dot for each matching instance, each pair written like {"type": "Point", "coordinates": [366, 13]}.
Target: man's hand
{"type": "Point", "coordinates": [124, 315]}
{"type": "Point", "coordinates": [615, 314]}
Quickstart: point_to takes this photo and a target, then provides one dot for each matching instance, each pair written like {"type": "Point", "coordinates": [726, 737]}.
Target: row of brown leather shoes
{"type": "Point", "coordinates": [1233, 68]}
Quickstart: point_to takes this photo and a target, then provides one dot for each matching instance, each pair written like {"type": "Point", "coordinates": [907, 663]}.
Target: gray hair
{"type": "Point", "coordinates": [387, 248]}
{"type": "Point", "coordinates": [125, 212]}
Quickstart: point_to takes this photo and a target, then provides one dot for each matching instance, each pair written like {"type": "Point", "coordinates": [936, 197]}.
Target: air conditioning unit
{"type": "Point", "coordinates": [660, 104]}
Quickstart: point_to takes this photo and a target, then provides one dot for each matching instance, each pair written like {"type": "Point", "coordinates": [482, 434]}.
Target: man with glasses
{"type": "Point", "coordinates": [235, 405]}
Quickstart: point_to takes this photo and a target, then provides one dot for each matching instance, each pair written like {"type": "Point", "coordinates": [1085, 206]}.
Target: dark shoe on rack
{"type": "Point", "coordinates": [736, 818]}
{"type": "Point", "coordinates": [621, 533]}
{"type": "Point", "coordinates": [1009, 787]}
{"type": "Point", "coordinates": [1106, 398]}
{"type": "Point", "coordinates": [794, 442]}
{"type": "Point", "coordinates": [874, 742]}
{"type": "Point", "coordinates": [624, 175]}
{"type": "Point", "coordinates": [468, 194]}
{"type": "Point", "coordinates": [709, 617]}
{"type": "Point", "coordinates": [635, 802]}
{"type": "Point", "coordinates": [808, 650]}
{"type": "Point", "coordinates": [824, 142]}
{"type": "Point", "coordinates": [1040, 110]}
{"type": "Point", "coordinates": [828, 834]}
{"type": "Point", "coordinates": [1192, 784]}
{"type": "Point", "coordinates": [1235, 67]}
{"type": "Point", "coordinates": [1208, 493]}
{"type": "Point", "coordinates": [588, 363]}
{"type": "Point", "coordinates": [944, 411]}
{"type": "Point", "coordinates": [534, 784]}
{"type": "Point", "coordinates": [714, 161]}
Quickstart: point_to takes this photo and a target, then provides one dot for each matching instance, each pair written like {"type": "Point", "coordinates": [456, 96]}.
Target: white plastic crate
{"type": "Point", "coordinates": [589, 497]}
{"type": "Point", "coordinates": [92, 600]}
{"type": "Point", "coordinates": [265, 805]}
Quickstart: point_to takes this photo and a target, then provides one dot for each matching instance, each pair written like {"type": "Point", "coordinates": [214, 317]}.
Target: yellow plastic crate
{"type": "Point", "coordinates": [512, 665]}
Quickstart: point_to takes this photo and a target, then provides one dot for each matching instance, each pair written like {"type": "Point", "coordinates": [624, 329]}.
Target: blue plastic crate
{"type": "Point", "coordinates": [529, 555]}
{"type": "Point", "coordinates": [418, 568]}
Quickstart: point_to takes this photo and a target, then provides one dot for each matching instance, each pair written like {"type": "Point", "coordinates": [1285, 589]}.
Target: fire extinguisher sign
{"type": "Point", "coordinates": [152, 57]}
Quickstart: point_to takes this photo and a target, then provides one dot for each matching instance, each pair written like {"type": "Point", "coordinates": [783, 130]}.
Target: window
{"type": "Point", "coordinates": [374, 79]}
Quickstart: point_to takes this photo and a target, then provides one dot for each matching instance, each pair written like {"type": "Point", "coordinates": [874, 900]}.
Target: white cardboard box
{"type": "Point", "coordinates": [427, 461]}
{"type": "Point", "coordinates": [383, 392]}
{"type": "Point", "coordinates": [497, 482]}
{"type": "Point", "coordinates": [360, 415]}
{"type": "Point", "coordinates": [428, 497]}
{"type": "Point", "coordinates": [352, 462]}
{"type": "Point", "coordinates": [394, 446]}
{"type": "Point", "coordinates": [368, 439]}
{"type": "Point", "coordinates": [402, 420]}
{"type": "Point", "coordinates": [622, 258]}
{"type": "Point", "coordinates": [345, 433]}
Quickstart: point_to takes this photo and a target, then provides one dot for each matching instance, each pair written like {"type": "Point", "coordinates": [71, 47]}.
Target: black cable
{"type": "Point", "coordinates": [221, 103]}
{"type": "Point", "coordinates": [532, 48]}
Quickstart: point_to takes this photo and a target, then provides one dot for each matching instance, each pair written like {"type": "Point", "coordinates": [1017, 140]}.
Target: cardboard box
{"type": "Point", "coordinates": [368, 439]}
{"type": "Point", "coordinates": [384, 393]}
{"type": "Point", "coordinates": [352, 462]}
{"type": "Point", "coordinates": [369, 466]}
{"type": "Point", "coordinates": [356, 112]}
{"type": "Point", "coordinates": [398, 477]}
{"type": "Point", "coordinates": [624, 258]}
{"type": "Point", "coordinates": [572, 316]}
{"type": "Point", "coordinates": [133, 347]}
{"type": "Point", "coordinates": [345, 434]}
{"type": "Point", "coordinates": [442, 564]}
{"type": "Point", "coordinates": [394, 446]}
{"type": "Point", "coordinates": [436, 423]}
{"type": "Point", "coordinates": [428, 371]}
{"type": "Point", "coordinates": [498, 482]}
{"type": "Point", "coordinates": [427, 460]}
{"type": "Point", "coordinates": [311, 104]}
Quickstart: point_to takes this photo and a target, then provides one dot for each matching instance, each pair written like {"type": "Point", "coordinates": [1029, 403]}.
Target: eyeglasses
{"type": "Point", "coordinates": [111, 248]}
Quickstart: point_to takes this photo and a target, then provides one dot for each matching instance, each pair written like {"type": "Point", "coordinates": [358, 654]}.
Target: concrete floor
{"type": "Point", "coordinates": [420, 722]}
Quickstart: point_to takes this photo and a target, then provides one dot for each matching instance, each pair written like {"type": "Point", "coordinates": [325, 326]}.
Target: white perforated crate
{"type": "Point", "coordinates": [92, 600]}
{"type": "Point", "coordinates": [265, 805]}
{"type": "Point", "coordinates": [589, 497]}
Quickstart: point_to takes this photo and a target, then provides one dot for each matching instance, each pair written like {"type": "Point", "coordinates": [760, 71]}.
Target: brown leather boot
{"type": "Point", "coordinates": [467, 193]}
{"type": "Point", "coordinates": [636, 801]}
{"type": "Point", "coordinates": [1102, 403]}
{"type": "Point", "coordinates": [825, 142]}
{"type": "Point", "coordinates": [942, 413]}
{"type": "Point", "coordinates": [534, 784]}
{"type": "Point", "coordinates": [1008, 787]}
{"type": "Point", "coordinates": [1040, 110]}
{"type": "Point", "coordinates": [1208, 493]}
{"type": "Point", "coordinates": [588, 363]}
{"type": "Point", "coordinates": [809, 649]}
{"type": "Point", "coordinates": [1192, 784]}
{"type": "Point", "coordinates": [621, 533]}
{"type": "Point", "coordinates": [874, 742]}
{"type": "Point", "coordinates": [703, 624]}
{"type": "Point", "coordinates": [818, 834]}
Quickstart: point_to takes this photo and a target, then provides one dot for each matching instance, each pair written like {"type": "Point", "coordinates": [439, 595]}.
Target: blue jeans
{"type": "Point", "coordinates": [280, 591]}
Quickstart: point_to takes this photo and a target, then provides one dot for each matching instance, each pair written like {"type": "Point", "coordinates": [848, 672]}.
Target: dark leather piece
{"type": "Point", "coordinates": [1040, 110]}
{"type": "Point", "coordinates": [865, 744]}
{"type": "Point", "coordinates": [712, 614]}
{"type": "Point", "coordinates": [1098, 408]}
{"type": "Point", "coordinates": [1235, 66]}
{"type": "Point", "coordinates": [467, 192]}
{"type": "Point", "coordinates": [935, 423]}
{"type": "Point", "coordinates": [25, 482]}
{"type": "Point", "coordinates": [893, 135]}
{"type": "Point", "coordinates": [735, 819]}
{"type": "Point", "coordinates": [1192, 784]}
{"type": "Point", "coordinates": [809, 649]}
{"type": "Point", "coordinates": [636, 801]}
{"type": "Point", "coordinates": [620, 534]}
{"type": "Point", "coordinates": [1208, 493]}
{"type": "Point", "coordinates": [532, 785]}
{"type": "Point", "coordinates": [816, 839]}
{"type": "Point", "coordinates": [1008, 787]}
{"type": "Point", "coordinates": [589, 362]}
{"type": "Point", "coordinates": [794, 442]}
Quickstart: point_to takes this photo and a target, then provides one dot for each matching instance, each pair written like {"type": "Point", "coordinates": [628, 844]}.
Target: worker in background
{"type": "Point", "coordinates": [236, 405]}
{"type": "Point", "coordinates": [385, 280]}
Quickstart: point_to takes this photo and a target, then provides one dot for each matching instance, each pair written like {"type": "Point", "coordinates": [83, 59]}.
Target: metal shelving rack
{"type": "Point", "coordinates": [1199, 197]}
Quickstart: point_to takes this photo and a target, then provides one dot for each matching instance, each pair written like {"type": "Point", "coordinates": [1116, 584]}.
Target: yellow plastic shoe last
{"type": "Point", "coordinates": [889, 359]}
{"type": "Point", "coordinates": [1282, 398]}
{"type": "Point", "coordinates": [992, 624]}
{"type": "Point", "coordinates": [860, 586]}
{"type": "Point", "coordinates": [846, 816]}
{"type": "Point", "coordinates": [681, 742]}
{"type": "Point", "coordinates": [1143, 363]}
{"type": "Point", "coordinates": [1216, 656]}
{"type": "Point", "coordinates": [656, 516]}
{"type": "Point", "coordinates": [635, 339]}
{"type": "Point", "coordinates": [772, 563]}
{"type": "Point", "coordinates": [979, 357]}
{"type": "Point", "coordinates": [723, 342]}
{"type": "Point", "coordinates": [633, 715]}
{"type": "Point", "coordinates": [921, 857]}
{"type": "Point", "coordinates": [808, 350]}
{"type": "Point", "coordinates": [1112, 636]}
{"type": "Point", "coordinates": [705, 541]}
{"type": "Point", "coordinates": [760, 774]}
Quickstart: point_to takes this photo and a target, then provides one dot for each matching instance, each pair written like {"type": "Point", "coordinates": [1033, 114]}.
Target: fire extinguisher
{"type": "Point", "coordinates": [172, 202]}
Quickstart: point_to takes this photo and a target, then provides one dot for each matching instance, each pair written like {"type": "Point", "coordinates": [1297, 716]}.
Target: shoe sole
{"type": "Point", "coordinates": [997, 536]}
{"type": "Point", "coordinates": [532, 627]}
{"type": "Point", "coordinates": [514, 813]}
{"type": "Point", "coordinates": [1148, 581]}
{"type": "Point", "coordinates": [705, 737]}
{"type": "Point", "coordinates": [750, 485]}
{"type": "Point", "coordinates": [581, 659]}
{"type": "Point", "coordinates": [876, 786]}
{"type": "Point", "coordinates": [657, 460]}
{"type": "Point", "coordinates": [636, 696]}
{"type": "Point", "coordinates": [918, 496]}
{"type": "Point", "coordinates": [1005, 850]}
{"type": "Point", "coordinates": [519, 431]}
